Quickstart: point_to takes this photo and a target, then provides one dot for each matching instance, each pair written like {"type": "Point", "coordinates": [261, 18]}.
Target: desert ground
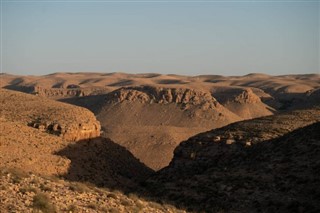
{"type": "Point", "coordinates": [118, 142]}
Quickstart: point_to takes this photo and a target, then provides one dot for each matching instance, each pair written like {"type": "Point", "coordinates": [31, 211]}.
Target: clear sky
{"type": "Point", "coordinates": [181, 37]}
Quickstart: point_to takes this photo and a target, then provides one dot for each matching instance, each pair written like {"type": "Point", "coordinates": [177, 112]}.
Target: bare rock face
{"type": "Point", "coordinates": [244, 102]}
{"type": "Point", "coordinates": [147, 94]}
{"type": "Point", "coordinates": [61, 92]}
{"type": "Point", "coordinates": [68, 91]}
{"type": "Point", "coordinates": [71, 132]}
{"type": "Point", "coordinates": [245, 95]}
{"type": "Point", "coordinates": [70, 122]}
{"type": "Point", "coordinates": [71, 90]}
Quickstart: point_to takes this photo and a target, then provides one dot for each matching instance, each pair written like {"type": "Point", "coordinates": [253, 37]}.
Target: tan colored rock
{"type": "Point", "coordinates": [68, 121]}
{"type": "Point", "coordinates": [230, 141]}
{"type": "Point", "coordinates": [148, 94]}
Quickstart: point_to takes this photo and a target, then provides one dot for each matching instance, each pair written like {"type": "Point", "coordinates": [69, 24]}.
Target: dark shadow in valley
{"type": "Point", "coordinates": [277, 175]}
{"type": "Point", "coordinates": [25, 89]}
{"type": "Point", "coordinates": [92, 102]}
{"type": "Point", "coordinates": [102, 162]}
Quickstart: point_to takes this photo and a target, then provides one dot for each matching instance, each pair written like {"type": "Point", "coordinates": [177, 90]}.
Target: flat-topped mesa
{"type": "Point", "coordinates": [148, 94]}
{"type": "Point", "coordinates": [70, 122]}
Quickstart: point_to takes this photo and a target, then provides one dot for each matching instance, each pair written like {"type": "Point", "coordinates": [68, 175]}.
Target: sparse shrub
{"type": "Point", "coordinates": [3, 187]}
{"type": "Point", "coordinates": [42, 202]}
{"type": "Point", "coordinates": [112, 195]}
{"type": "Point", "coordinates": [27, 189]}
{"type": "Point", "coordinates": [135, 209]}
{"type": "Point", "coordinates": [17, 175]}
{"type": "Point", "coordinates": [44, 187]}
{"type": "Point", "coordinates": [104, 209]}
{"type": "Point", "coordinates": [34, 181]}
{"type": "Point", "coordinates": [112, 210]}
{"type": "Point", "coordinates": [72, 208]}
{"type": "Point", "coordinates": [117, 192]}
{"type": "Point", "coordinates": [93, 206]}
{"type": "Point", "coordinates": [10, 207]}
{"type": "Point", "coordinates": [139, 205]}
{"type": "Point", "coordinates": [53, 178]}
{"type": "Point", "coordinates": [169, 207]}
{"type": "Point", "coordinates": [78, 187]}
{"type": "Point", "coordinates": [89, 185]}
{"type": "Point", "coordinates": [133, 197]}
{"type": "Point", "coordinates": [125, 202]}
{"type": "Point", "coordinates": [155, 205]}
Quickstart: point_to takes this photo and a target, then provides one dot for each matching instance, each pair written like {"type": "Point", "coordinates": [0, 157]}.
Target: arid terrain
{"type": "Point", "coordinates": [116, 142]}
{"type": "Point", "coordinates": [150, 114]}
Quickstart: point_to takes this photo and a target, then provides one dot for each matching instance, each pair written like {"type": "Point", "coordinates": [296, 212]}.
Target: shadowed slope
{"type": "Point", "coordinates": [278, 172]}
{"type": "Point", "coordinates": [103, 163]}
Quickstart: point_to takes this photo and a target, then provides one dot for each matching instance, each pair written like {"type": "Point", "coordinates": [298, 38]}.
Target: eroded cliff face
{"type": "Point", "coordinates": [71, 131]}
{"type": "Point", "coordinates": [244, 102]}
{"type": "Point", "coordinates": [61, 92]}
{"type": "Point", "coordinates": [70, 122]}
{"type": "Point", "coordinates": [146, 94]}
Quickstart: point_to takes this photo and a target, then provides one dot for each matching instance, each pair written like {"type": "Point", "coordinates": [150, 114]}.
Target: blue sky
{"type": "Point", "coordinates": [181, 37]}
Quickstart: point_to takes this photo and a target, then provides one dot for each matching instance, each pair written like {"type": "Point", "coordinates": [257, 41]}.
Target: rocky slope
{"type": "Point", "coordinates": [243, 102]}
{"type": "Point", "coordinates": [151, 121]}
{"type": "Point", "coordinates": [70, 122]}
{"type": "Point", "coordinates": [22, 192]}
{"type": "Point", "coordinates": [73, 149]}
{"type": "Point", "coordinates": [98, 161]}
{"type": "Point", "coordinates": [267, 164]}
{"type": "Point", "coordinates": [41, 171]}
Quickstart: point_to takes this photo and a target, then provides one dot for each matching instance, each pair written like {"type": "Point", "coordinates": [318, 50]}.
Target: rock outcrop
{"type": "Point", "coordinates": [148, 94]}
{"type": "Point", "coordinates": [240, 95]}
{"type": "Point", "coordinates": [70, 122]}
{"type": "Point", "coordinates": [243, 102]}
{"type": "Point", "coordinates": [55, 93]}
